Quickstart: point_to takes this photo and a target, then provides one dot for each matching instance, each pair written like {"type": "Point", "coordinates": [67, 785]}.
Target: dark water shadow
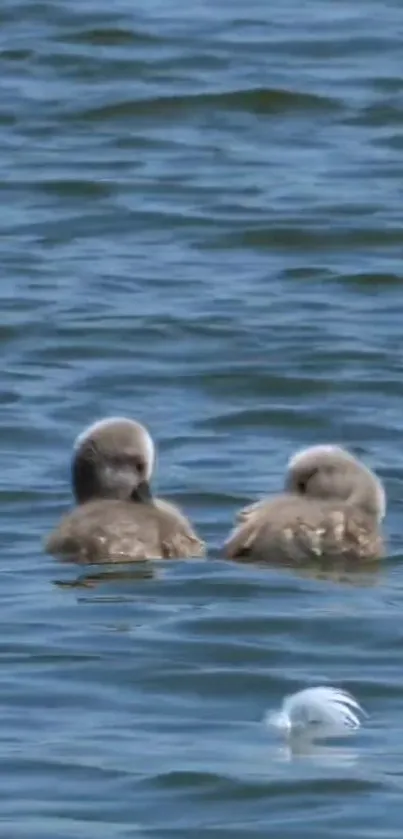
{"type": "Point", "coordinates": [138, 573]}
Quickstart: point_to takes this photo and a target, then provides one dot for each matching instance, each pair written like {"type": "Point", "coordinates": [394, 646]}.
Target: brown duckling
{"type": "Point", "coordinates": [117, 519]}
{"type": "Point", "coordinates": [332, 508]}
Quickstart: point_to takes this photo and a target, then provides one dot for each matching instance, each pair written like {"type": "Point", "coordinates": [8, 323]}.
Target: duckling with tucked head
{"type": "Point", "coordinates": [332, 508]}
{"type": "Point", "coordinates": [117, 518]}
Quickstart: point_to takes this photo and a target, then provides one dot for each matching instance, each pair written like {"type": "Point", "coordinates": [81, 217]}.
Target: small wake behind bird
{"type": "Point", "coordinates": [317, 713]}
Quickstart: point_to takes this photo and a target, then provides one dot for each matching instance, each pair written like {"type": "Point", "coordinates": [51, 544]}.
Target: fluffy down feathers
{"type": "Point", "coordinates": [318, 713]}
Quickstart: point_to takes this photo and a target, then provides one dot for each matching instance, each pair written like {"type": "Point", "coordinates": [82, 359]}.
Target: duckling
{"type": "Point", "coordinates": [117, 518]}
{"type": "Point", "coordinates": [331, 508]}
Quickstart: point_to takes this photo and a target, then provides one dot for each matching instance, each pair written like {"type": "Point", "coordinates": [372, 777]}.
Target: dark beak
{"type": "Point", "coordinates": [142, 493]}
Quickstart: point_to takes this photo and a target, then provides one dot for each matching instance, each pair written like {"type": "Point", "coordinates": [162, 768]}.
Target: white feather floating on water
{"type": "Point", "coordinates": [317, 713]}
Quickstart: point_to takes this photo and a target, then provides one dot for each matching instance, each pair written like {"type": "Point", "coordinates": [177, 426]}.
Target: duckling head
{"type": "Point", "coordinates": [330, 472]}
{"type": "Point", "coordinates": [113, 458]}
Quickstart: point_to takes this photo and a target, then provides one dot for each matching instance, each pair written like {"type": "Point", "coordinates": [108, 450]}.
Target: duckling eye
{"type": "Point", "coordinates": [302, 483]}
{"type": "Point", "coordinates": [138, 464]}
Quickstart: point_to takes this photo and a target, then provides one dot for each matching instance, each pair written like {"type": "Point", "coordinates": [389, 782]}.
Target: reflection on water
{"type": "Point", "coordinates": [329, 757]}
{"type": "Point", "coordinates": [331, 570]}
{"type": "Point", "coordinates": [336, 572]}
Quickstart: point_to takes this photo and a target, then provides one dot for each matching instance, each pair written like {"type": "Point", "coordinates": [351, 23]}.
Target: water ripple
{"type": "Point", "coordinates": [201, 228]}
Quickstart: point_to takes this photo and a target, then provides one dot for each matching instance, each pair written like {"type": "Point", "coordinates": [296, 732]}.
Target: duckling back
{"type": "Point", "coordinates": [294, 529]}
{"type": "Point", "coordinates": [111, 530]}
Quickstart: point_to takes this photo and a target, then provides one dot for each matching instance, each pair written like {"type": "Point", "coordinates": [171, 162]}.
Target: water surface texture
{"type": "Point", "coordinates": [201, 227]}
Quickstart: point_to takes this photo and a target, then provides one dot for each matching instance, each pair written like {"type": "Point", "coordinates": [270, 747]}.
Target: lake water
{"type": "Point", "coordinates": [201, 227]}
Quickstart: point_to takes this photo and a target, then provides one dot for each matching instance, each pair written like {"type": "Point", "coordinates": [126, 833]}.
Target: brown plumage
{"type": "Point", "coordinates": [117, 519]}
{"type": "Point", "coordinates": [332, 509]}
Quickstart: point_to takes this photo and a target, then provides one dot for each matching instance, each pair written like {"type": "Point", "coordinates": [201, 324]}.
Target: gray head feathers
{"type": "Point", "coordinates": [113, 458]}
{"type": "Point", "coordinates": [331, 472]}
